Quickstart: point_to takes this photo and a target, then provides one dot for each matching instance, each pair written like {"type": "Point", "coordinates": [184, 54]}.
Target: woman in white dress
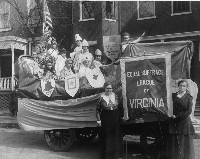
{"type": "Point", "coordinates": [83, 60]}
{"type": "Point", "coordinates": [60, 62]}
{"type": "Point", "coordinates": [78, 48]}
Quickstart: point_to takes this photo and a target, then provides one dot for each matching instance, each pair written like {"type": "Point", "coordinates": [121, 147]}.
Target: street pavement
{"type": "Point", "coordinates": [18, 144]}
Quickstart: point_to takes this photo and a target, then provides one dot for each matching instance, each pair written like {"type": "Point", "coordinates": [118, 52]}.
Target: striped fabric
{"type": "Point", "coordinates": [47, 17]}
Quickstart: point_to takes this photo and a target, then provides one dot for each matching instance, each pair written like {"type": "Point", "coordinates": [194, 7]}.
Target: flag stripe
{"type": "Point", "coordinates": [47, 17]}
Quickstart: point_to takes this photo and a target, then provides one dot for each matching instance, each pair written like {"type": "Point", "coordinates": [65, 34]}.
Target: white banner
{"type": "Point", "coordinates": [47, 86]}
{"type": "Point", "coordinates": [95, 77]}
{"type": "Point", "coordinates": [71, 84]}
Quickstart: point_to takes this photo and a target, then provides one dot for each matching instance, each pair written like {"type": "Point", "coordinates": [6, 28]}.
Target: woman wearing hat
{"type": "Point", "coordinates": [83, 60]}
{"type": "Point", "coordinates": [60, 62]}
{"type": "Point", "coordinates": [98, 55]}
{"type": "Point", "coordinates": [78, 48]}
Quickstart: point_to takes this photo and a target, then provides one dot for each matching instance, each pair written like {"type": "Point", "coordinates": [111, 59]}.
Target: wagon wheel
{"type": "Point", "coordinates": [86, 134]}
{"type": "Point", "coordinates": [59, 140]}
{"type": "Point", "coordinates": [151, 142]}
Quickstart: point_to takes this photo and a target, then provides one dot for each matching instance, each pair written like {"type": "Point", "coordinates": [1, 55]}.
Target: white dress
{"type": "Point", "coordinates": [60, 64]}
{"type": "Point", "coordinates": [76, 50]}
{"type": "Point", "coordinates": [84, 61]}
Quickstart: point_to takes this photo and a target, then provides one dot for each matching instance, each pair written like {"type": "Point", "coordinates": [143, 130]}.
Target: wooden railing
{"type": "Point", "coordinates": [5, 83]}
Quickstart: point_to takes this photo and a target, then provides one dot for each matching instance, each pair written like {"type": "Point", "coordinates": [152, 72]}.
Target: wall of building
{"type": "Point", "coordinates": [90, 29]}
{"type": "Point", "coordinates": [164, 23]}
{"type": "Point", "coordinates": [61, 13]}
{"type": "Point", "coordinates": [16, 28]}
{"type": "Point", "coordinates": [110, 27]}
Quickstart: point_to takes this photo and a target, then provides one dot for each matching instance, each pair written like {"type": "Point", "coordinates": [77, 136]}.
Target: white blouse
{"type": "Point", "coordinates": [109, 98]}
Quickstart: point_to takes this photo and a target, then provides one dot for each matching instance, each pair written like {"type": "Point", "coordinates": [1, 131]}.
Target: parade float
{"type": "Point", "coordinates": [142, 78]}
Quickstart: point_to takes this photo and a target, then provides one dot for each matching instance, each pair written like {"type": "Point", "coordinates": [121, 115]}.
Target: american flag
{"type": "Point", "coordinates": [47, 24]}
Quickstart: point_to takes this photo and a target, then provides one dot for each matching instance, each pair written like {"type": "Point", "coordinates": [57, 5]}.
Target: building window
{"type": "Point", "coordinates": [110, 10]}
{"type": "Point", "coordinates": [146, 10]}
{"type": "Point", "coordinates": [87, 10]}
{"type": "Point", "coordinates": [181, 7]}
{"type": "Point", "coordinates": [4, 16]}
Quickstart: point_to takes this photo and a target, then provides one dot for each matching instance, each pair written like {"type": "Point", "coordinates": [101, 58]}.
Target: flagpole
{"type": "Point", "coordinates": [44, 16]}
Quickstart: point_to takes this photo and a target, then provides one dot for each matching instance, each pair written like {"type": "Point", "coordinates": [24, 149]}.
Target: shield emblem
{"type": "Point", "coordinates": [48, 86]}
{"type": "Point", "coordinates": [95, 77]}
{"type": "Point", "coordinates": [71, 84]}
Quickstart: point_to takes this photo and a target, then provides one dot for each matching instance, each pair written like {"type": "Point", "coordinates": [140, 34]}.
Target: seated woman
{"type": "Point", "coordinates": [67, 70]}
{"type": "Point", "coordinates": [60, 62]}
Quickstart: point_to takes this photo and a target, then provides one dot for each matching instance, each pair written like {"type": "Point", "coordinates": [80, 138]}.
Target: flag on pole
{"type": "Point", "coordinates": [47, 23]}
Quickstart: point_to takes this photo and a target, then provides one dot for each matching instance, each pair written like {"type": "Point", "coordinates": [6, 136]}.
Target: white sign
{"type": "Point", "coordinates": [47, 86]}
{"type": "Point", "coordinates": [71, 84]}
{"type": "Point", "coordinates": [95, 77]}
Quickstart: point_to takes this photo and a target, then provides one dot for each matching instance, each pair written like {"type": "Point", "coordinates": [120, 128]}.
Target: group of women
{"type": "Point", "coordinates": [56, 64]}
{"type": "Point", "coordinates": [180, 129]}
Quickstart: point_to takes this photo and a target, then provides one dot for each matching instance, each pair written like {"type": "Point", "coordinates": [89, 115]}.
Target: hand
{"type": "Point", "coordinates": [99, 123]}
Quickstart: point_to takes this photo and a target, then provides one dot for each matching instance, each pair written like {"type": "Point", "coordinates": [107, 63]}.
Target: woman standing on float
{"type": "Point", "coordinates": [83, 60]}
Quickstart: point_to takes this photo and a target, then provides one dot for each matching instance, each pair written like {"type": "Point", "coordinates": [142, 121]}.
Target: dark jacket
{"type": "Point", "coordinates": [182, 108]}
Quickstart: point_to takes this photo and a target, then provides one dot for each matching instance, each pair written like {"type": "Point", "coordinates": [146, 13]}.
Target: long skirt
{"type": "Point", "coordinates": [180, 147]}
{"type": "Point", "coordinates": [109, 135]}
